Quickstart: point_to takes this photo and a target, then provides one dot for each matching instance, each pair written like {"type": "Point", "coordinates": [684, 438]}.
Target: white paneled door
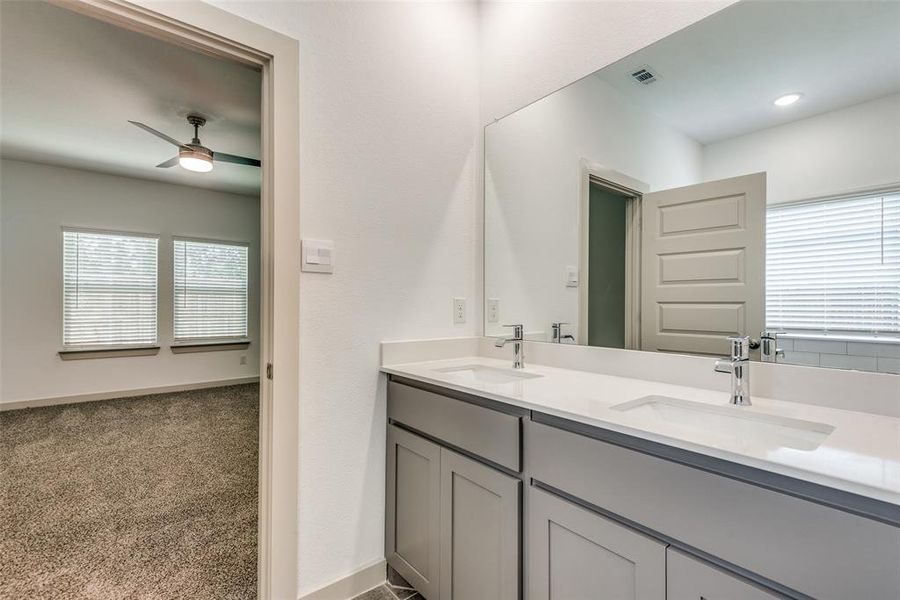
{"type": "Point", "coordinates": [703, 265]}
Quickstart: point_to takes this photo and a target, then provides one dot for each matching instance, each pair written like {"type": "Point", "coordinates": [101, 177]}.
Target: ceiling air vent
{"type": "Point", "coordinates": [644, 75]}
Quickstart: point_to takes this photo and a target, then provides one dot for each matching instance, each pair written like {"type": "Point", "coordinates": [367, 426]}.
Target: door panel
{"type": "Point", "coordinates": [691, 579]}
{"type": "Point", "coordinates": [703, 265]}
{"type": "Point", "coordinates": [412, 525]}
{"type": "Point", "coordinates": [574, 554]}
{"type": "Point", "coordinates": [479, 531]}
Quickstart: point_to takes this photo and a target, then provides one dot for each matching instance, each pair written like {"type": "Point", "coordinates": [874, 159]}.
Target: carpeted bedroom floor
{"type": "Point", "coordinates": [152, 497]}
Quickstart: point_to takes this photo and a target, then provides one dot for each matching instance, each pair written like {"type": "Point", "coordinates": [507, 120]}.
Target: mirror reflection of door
{"type": "Point", "coordinates": [703, 265]}
{"type": "Point", "coordinates": [607, 223]}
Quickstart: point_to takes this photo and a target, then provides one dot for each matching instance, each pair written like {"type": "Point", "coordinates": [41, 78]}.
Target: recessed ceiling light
{"type": "Point", "coordinates": [787, 99]}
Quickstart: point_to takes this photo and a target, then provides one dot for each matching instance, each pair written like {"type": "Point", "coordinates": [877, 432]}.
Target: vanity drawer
{"type": "Point", "coordinates": [816, 550]}
{"type": "Point", "coordinates": [487, 433]}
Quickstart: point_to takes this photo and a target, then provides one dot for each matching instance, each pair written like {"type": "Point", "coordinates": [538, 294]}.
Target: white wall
{"type": "Point", "coordinates": [853, 148]}
{"type": "Point", "coordinates": [390, 169]}
{"type": "Point", "coordinates": [35, 202]}
{"type": "Point", "coordinates": [533, 186]}
{"type": "Point", "coordinates": [389, 123]}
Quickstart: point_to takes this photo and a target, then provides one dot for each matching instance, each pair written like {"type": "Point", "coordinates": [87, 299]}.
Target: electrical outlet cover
{"type": "Point", "coordinates": [459, 310]}
{"type": "Point", "coordinates": [493, 310]}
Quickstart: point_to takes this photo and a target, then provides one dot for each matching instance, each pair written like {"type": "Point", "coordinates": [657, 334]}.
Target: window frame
{"type": "Point", "coordinates": [838, 335]}
{"type": "Point", "coordinates": [77, 351]}
{"type": "Point", "coordinates": [203, 344]}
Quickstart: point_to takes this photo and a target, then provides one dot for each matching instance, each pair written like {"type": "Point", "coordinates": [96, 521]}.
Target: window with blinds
{"type": "Point", "coordinates": [109, 289]}
{"type": "Point", "coordinates": [210, 290]}
{"type": "Point", "coordinates": [833, 267]}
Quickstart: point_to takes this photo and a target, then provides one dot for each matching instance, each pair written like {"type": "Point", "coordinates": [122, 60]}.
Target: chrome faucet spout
{"type": "Point", "coordinates": [739, 368]}
{"type": "Point", "coordinates": [517, 341]}
{"type": "Point", "coordinates": [557, 336]}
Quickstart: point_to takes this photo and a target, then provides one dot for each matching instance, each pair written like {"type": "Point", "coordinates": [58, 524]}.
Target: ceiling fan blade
{"type": "Point", "coordinates": [158, 134]}
{"type": "Point", "coordinates": [169, 163]}
{"type": "Point", "coordinates": [238, 160]}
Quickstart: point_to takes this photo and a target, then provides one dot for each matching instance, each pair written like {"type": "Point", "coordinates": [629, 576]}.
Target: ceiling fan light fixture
{"type": "Point", "coordinates": [196, 158]}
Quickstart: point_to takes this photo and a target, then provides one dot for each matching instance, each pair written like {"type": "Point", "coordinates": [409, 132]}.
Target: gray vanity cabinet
{"type": "Point", "coordinates": [452, 523]}
{"type": "Point", "coordinates": [412, 531]}
{"type": "Point", "coordinates": [479, 531]}
{"type": "Point", "coordinates": [575, 554]}
{"type": "Point", "coordinates": [688, 578]}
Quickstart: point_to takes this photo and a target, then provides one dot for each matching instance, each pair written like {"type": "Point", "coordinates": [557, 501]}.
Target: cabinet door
{"type": "Point", "coordinates": [479, 531]}
{"type": "Point", "coordinates": [575, 554]}
{"type": "Point", "coordinates": [412, 520]}
{"type": "Point", "coordinates": [691, 579]}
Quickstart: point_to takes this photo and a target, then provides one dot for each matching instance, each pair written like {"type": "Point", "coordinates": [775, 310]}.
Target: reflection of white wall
{"type": "Point", "coordinates": [848, 149]}
{"type": "Point", "coordinates": [532, 191]}
{"type": "Point", "coordinates": [529, 49]}
{"type": "Point", "coordinates": [37, 200]}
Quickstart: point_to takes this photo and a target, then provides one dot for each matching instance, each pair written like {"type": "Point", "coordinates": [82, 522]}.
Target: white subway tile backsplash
{"type": "Point", "coordinates": [822, 346]}
{"type": "Point", "coordinates": [888, 365]}
{"type": "Point", "coordinates": [809, 359]}
{"type": "Point", "coordinates": [873, 349]}
{"type": "Point", "coordinates": [845, 361]}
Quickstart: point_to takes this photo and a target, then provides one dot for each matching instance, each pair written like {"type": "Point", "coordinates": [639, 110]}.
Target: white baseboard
{"type": "Point", "coordinates": [93, 397]}
{"type": "Point", "coordinates": [352, 585]}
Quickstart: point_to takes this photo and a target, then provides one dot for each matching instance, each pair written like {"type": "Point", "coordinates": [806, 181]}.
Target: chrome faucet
{"type": "Point", "coordinates": [517, 341]}
{"type": "Point", "coordinates": [739, 367]}
{"type": "Point", "coordinates": [768, 344]}
{"type": "Point", "coordinates": [557, 336]}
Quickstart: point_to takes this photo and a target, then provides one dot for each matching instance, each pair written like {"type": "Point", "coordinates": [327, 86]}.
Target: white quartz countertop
{"type": "Point", "coordinates": [861, 455]}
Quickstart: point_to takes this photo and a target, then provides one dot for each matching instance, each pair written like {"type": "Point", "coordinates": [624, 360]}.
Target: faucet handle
{"type": "Point", "coordinates": [517, 330]}
{"type": "Point", "coordinates": [740, 347]}
{"type": "Point", "coordinates": [769, 343]}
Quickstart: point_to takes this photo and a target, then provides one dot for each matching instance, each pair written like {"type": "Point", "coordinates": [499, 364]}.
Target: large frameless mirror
{"type": "Point", "coordinates": [738, 177]}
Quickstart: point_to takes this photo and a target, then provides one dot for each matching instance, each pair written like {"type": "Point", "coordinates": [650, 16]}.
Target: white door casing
{"type": "Point", "coordinates": [703, 265]}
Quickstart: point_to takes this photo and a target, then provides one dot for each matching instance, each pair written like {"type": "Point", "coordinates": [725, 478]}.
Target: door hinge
{"type": "Point", "coordinates": [268, 370]}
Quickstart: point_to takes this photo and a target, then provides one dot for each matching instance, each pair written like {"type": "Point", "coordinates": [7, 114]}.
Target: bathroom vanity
{"type": "Point", "coordinates": [732, 192]}
{"type": "Point", "coordinates": [548, 483]}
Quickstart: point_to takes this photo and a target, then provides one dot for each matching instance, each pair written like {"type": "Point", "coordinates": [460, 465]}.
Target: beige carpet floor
{"type": "Point", "coordinates": [152, 498]}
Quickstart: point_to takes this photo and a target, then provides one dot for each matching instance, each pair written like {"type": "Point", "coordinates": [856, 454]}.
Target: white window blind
{"type": "Point", "coordinates": [109, 289]}
{"type": "Point", "coordinates": [834, 266]}
{"type": "Point", "coordinates": [210, 290]}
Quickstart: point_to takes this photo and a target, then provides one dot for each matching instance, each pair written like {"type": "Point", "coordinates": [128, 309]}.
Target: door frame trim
{"type": "Point", "coordinates": [216, 32]}
{"type": "Point", "coordinates": [592, 172]}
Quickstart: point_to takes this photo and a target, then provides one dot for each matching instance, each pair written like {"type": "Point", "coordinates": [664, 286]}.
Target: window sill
{"type": "Point", "coordinates": [107, 352]}
{"type": "Point", "coordinates": [209, 346]}
{"type": "Point", "coordinates": [863, 339]}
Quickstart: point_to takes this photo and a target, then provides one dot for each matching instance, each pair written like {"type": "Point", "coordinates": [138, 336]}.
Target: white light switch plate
{"type": "Point", "coordinates": [317, 256]}
{"type": "Point", "coordinates": [572, 277]}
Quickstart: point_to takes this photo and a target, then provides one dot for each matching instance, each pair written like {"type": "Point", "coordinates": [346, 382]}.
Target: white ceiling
{"type": "Point", "coordinates": [71, 83]}
{"type": "Point", "coordinates": [718, 78]}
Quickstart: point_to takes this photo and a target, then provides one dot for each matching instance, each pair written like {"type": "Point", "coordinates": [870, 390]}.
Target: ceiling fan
{"type": "Point", "coordinates": [194, 156]}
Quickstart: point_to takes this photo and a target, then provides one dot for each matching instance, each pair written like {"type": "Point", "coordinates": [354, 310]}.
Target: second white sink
{"type": "Point", "coordinates": [727, 424]}
{"type": "Point", "coordinates": [483, 374]}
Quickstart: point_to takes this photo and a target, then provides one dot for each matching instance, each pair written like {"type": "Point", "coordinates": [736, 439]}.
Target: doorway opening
{"type": "Point", "coordinates": [609, 258]}
{"type": "Point", "coordinates": [180, 306]}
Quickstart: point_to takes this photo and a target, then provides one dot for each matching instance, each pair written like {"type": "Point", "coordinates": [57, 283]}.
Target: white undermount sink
{"type": "Point", "coordinates": [726, 424]}
{"type": "Point", "coordinates": [483, 374]}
